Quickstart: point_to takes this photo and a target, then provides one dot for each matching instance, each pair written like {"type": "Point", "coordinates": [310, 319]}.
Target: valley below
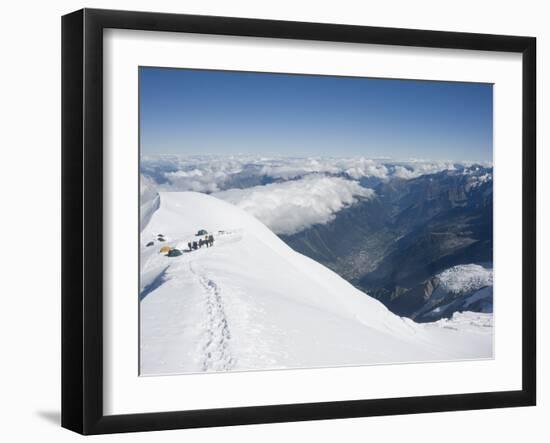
{"type": "Point", "coordinates": [396, 246]}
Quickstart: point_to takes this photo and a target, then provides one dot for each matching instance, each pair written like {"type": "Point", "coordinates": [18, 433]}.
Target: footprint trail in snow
{"type": "Point", "coordinates": [216, 348]}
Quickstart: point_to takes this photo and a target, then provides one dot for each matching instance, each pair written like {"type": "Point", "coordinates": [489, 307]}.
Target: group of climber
{"type": "Point", "coordinates": [207, 241]}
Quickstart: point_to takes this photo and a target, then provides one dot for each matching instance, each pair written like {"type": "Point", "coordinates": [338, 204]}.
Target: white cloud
{"type": "Point", "coordinates": [195, 180]}
{"type": "Point", "coordinates": [306, 190]}
{"type": "Point", "coordinates": [194, 173]}
{"type": "Point", "coordinates": [356, 168]}
{"type": "Point", "coordinates": [216, 173]}
{"type": "Point", "coordinates": [403, 172]}
{"type": "Point", "coordinates": [416, 168]}
{"type": "Point", "coordinates": [364, 168]}
{"type": "Point", "coordinates": [292, 168]}
{"type": "Point", "coordinates": [289, 207]}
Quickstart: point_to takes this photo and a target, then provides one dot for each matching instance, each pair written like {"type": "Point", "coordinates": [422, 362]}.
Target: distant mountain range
{"type": "Point", "coordinates": [395, 246]}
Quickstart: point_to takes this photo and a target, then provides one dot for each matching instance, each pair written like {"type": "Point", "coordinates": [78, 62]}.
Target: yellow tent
{"type": "Point", "coordinates": [165, 249]}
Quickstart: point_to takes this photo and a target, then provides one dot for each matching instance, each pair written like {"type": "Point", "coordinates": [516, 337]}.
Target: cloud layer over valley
{"type": "Point", "coordinates": [286, 194]}
{"type": "Point", "coordinates": [290, 207]}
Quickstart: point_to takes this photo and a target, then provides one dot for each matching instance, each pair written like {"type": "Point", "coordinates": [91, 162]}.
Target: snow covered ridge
{"type": "Point", "coordinates": [250, 302]}
{"type": "Point", "coordinates": [465, 278]}
{"type": "Point", "coordinates": [293, 206]}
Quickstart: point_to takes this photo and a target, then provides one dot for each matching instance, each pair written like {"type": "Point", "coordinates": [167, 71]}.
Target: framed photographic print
{"type": "Point", "coordinates": [269, 221]}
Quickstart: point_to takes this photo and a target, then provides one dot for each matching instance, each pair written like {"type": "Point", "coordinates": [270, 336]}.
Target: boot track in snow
{"type": "Point", "coordinates": [216, 348]}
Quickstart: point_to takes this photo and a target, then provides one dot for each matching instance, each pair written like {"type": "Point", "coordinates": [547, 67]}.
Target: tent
{"type": "Point", "coordinates": [164, 249]}
{"type": "Point", "coordinates": [174, 253]}
{"type": "Point", "coordinates": [201, 232]}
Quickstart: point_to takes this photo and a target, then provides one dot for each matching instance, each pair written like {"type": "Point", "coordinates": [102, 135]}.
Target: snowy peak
{"type": "Point", "coordinates": [465, 278]}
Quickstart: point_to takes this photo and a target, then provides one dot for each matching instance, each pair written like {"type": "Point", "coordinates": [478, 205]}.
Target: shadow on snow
{"type": "Point", "coordinates": [156, 283]}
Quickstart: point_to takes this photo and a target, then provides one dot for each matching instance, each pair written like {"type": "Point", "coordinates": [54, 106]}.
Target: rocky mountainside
{"type": "Point", "coordinates": [394, 246]}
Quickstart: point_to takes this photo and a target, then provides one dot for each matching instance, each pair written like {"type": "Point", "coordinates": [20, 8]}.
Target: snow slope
{"type": "Point", "coordinates": [251, 302]}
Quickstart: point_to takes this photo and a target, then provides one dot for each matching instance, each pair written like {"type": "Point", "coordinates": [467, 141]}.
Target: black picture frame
{"type": "Point", "coordinates": [82, 218]}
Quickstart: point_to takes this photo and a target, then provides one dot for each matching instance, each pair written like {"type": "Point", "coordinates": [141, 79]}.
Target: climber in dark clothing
{"type": "Point", "coordinates": [211, 240]}
{"type": "Point", "coordinates": [190, 246]}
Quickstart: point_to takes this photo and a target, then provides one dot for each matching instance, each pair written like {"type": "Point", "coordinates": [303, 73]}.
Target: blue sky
{"type": "Point", "coordinates": [220, 112]}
